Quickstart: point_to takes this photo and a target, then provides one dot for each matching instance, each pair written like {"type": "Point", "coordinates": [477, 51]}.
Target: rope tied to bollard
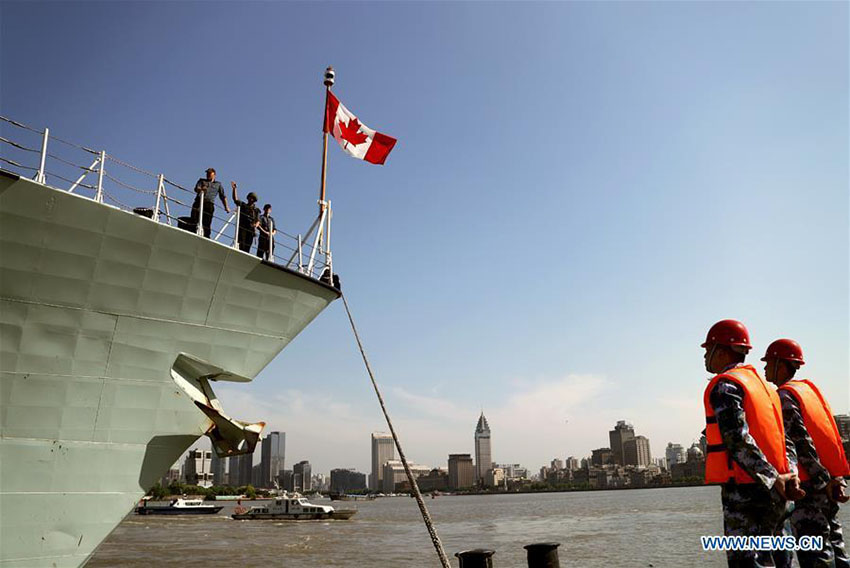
{"type": "Point", "coordinates": [435, 539]}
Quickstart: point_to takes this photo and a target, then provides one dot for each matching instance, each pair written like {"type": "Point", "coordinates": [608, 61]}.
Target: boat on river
{"type": "Point", "coordinates": [179, 507]}
{"type": "Point", "coordinates": [293, 507]}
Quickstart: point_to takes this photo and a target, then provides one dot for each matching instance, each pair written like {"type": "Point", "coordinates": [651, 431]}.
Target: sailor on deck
{"type": "Point", "coordinates": [248, 219]}
{"type": "Point", "coordinates": [810, 425]}
{"type": "Point", "coordinates": [747, 452]}
{"type": "Point", "coordinates": [207, 189]}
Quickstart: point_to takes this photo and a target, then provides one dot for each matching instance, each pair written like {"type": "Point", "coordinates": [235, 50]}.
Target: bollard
{"type": "Point", "coordinates": [477, 558]}
{"type": "Point", "coordinates": [543, 555]}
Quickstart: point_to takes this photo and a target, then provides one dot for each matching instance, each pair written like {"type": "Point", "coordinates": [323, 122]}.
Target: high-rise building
{"type": "Point", "coordinates": [461, 472]}
{"type": "Point", "coordinates": [286, 480]}
{"type": "Point", "coordinates": [557, 464]}
{"type": "Point", "coordinates": [241, 470]}
{"type": "Point", "coordinates": [302, 476]}
{"type": "Point", "coordinates": [345, 480]}
{"type": "Point", "coordinates": [197, 468]}
{"type": "Point", "coordinates": [571, 463]}
{"type": "Point", "coordinates": [621, 433]}
{"type": "Point", "coordinates": [272, 459]}
{"type": "Point", "coordinates": [383, 450]}
{"type": "Point", "coordinates": [843, 423]}
{"type": "Point", "coordinates": [675, 453]}
{"type": "Point", "coordinates": [636, 452]}
{"type": "Point", "coordinates": [483, 455]}
{"type": "Point", "coordinates": [217, 467]}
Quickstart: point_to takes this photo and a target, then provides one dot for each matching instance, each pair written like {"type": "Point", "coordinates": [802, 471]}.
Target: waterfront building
{"type": "Point", "coordinates": [571, 463]}
{"type": "Point", "coordinates": [197, 468]}
{"type": "Point", "coordinates": [557, 464]}
{"type": "Point", "coordinates": [320, 482]}
{"type": "Point", "coordinates": [694, 467]}
{"type": "Point", "coordinates": [272, 459]}
{"type": "Point", "coordinates": [171, 476]}
{"type": "Point", "coordinates": [675, 453]}
{"type": "Point", "coordinates": [622, 433]}
{"type": "Point", "coordinates": [495, 477]}
{"type": "Point", "coordinates": [461, 471]}
{"type": "Point", "coordinates": [346, 480]}
{"type": "Point", "coordinates": [602, 456]}
{"type": "Point", "coordinates": [483, 454]}
{"type": "Point", "coordinates": [302, 477]}
{"type": "Point", "coordinates": [394, 478]}
{"type": "Point", "coordinates": [843, 423]}
{"type": "Point", "coordinates": [383, 450]}
{"type": "Point", "coordinates": [636, 451]}
{"type": "Point", "coordinates": [513, 471]}
{"type": "Point", "coordinates": [435, 480]}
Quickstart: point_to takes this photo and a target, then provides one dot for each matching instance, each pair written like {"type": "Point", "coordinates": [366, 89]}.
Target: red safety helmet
{"type": "Point", "coordinates": [786, 349]}
{"type": "Point", "coordinates": [728, 332]}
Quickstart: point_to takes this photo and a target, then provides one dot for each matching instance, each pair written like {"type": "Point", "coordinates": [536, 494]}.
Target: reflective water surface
{"type": "Point", "coordinates": [647, 527]}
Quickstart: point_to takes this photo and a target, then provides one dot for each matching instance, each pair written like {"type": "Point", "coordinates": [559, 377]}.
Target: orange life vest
{"type": "Point", "coordinates": [764, 421]}
{"type": "Point", "coordinates": [817, 417]}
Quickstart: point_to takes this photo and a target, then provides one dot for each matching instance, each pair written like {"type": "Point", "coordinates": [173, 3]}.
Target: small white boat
{"type": "Point", "coordinates": [292, 506]}
{"type": "Point", "coordinates": [179, 507]}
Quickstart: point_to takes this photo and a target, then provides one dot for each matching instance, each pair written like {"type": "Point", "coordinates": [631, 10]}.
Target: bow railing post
{"type": "Point", "coordinates": [40, 177]}
{"type": "Point", "coordinates": [159, 190]}
{"type": "Point", "coordinates": [200, 228]}
{"type": "Point", "coordinates": [99, 195]}
{"type": "Point", "coordinates": [236, 227]}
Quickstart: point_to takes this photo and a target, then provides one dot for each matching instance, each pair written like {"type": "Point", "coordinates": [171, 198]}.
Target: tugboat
{"type": "Point", "coordinates": [292, 506]}
{"type": "Point", "coordinates": [179, 507]}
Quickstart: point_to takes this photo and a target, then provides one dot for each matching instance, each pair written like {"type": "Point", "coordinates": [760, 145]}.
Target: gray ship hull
{"type": "Point", "coordinates": [96, 307]}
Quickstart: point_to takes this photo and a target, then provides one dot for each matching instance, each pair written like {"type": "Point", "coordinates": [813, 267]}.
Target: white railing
{"type": "Point", "coordinates": [158, 198]}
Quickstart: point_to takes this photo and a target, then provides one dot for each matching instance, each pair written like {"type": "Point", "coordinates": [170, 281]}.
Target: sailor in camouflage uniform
{"type": "Point", "coordinates": [816, 514]}
{"type": "Point", "coordinates": [747, 452]}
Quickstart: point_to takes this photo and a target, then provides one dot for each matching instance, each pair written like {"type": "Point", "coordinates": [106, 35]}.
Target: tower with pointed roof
{"type": "Point", "coordinates": [483, 455]}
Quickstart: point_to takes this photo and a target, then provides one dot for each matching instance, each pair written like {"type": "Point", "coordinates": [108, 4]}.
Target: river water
{"type": "Point", "coordinates": [644, 527]}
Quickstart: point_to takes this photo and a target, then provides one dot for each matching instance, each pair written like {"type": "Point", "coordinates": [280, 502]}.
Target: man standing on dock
{"type": "Point", "coordinates": [747, 453]}
{"type": "Point", "coordinates": [207, 189]}
{"type": "Point", "coordinates": [810, 425]}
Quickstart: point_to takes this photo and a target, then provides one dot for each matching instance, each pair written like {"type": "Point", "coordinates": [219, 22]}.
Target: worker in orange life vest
{"type": "Point", "coordinates": [810, 425]}
{"type": "Point", "coordinates": [747, 452]}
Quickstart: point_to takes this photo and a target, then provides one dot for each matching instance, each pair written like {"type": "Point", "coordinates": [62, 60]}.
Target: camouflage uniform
{"type": "Point", "coordinates": [815, 514]}
{"type": "Point", "coordinates": [749, 509]}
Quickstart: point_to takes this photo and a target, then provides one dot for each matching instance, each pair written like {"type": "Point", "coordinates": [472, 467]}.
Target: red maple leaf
{"type": "Point", "coordinates": [351, 132]}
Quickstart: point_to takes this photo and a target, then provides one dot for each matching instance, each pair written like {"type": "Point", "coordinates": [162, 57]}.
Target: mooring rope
{"type": "Point", "coordinates": [419, 501]}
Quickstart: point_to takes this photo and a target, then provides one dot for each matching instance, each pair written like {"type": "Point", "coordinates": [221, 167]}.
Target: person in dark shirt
{"type": "Point", "coordinates": [265, 242]}
{"type": "Point", "coordinates": [207, 189]}
{"type": "Point", "coordinates": [248, 219]}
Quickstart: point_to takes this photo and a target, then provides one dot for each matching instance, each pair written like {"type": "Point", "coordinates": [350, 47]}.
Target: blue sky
{"type": "Point", "coordinates": [579, 190]}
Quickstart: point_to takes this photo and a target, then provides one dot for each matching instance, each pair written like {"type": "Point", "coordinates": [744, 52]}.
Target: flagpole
{"type": "Point", "coordinates": [329, 81]}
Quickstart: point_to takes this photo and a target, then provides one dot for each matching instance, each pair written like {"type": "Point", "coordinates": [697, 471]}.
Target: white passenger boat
{"type": "Point", "coordinates": [179, 507]}
{"type": "Point", "coordinates": [294, 507]}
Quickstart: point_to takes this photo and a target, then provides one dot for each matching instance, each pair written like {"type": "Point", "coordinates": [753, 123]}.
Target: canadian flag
{"type": "Point", "coordinates": [355, 138]}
